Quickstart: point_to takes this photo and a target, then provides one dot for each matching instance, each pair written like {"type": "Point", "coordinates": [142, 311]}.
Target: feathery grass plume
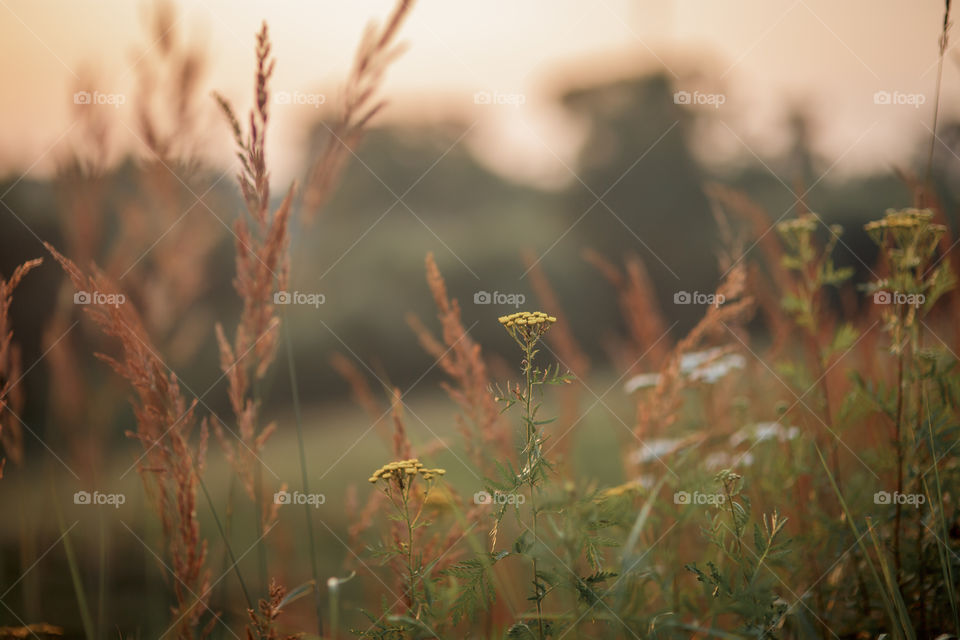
{"type": "Point", "coordinates": [359, 388]}
{"type": "Point", "coordinates": [262, 263]}
{"type": "Point", "coordinates": [168, 74]}
{"type": "Point", "coordinates": [638, 304]}
{"type": "Point", "coordinates": [121, 229]}
{"type": "Point", "coordinates": [11, 393]}
{"type": "Point", "coordinates": [171, 465]}
{"type": "Point", "coordinates": [376, 51]}
{"type": "Point", "coordinates": [484, 433]}
{"type": "Point", "coordinates": [263, 621]}
{"type": "Point", "coordinates": [82, 186]}
{"type": "Point", "coordinates": [943, 43]}
{"type": "Point", "coordinates": [657, 410]}
{"type": "Point", "coordinates": [732, 238]}
{"type": "Point", "coordinates": [170, 279]}
{"type": "Point", "coordinates": [742, 206]}
{"type": "Point", "coordinates": [764, 281]}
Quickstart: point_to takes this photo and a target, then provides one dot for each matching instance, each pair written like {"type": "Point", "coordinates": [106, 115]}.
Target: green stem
{"type": "Point", "coordinates": [410, 567]}
{"type": "Point", "coordinates": [899, 451]}
{"type": "Point", "coordinates": [317, 598]}
{"type": "Point", "coordinates": [77, 580]}
{"type": "Point", "coordinates": [102, 584]}
{"type": "Point", "coordinates": [533, 452]}
{"type": "Point", "coordinates": [225, 556]}
{"type": "Point", "coordinates": [226, 542]}
{"type": "Point", "coordinates": [258, 505]}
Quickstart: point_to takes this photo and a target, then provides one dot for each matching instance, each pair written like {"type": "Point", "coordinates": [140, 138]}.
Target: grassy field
{"type": "Point", "coordinates": [784, 467]}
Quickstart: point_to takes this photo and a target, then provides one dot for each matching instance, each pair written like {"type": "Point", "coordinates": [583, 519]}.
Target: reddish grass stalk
{"type": "Point", "coordinates": [170, 469]}
{"type": "Point", "coordinates": [377, 50]}
{"type": "Point", "coordinates": [461, 359]}
{"type": "Point", "coordinates": [262, 263]}
{"type": "Point", "coordinates": [263, 621]}
{"type": "Point", "coordinates": [11, 394]}
{"type": "Point", "coordinates": [658, 409]}
{"type": "Point", "coordinates": [638, 305]}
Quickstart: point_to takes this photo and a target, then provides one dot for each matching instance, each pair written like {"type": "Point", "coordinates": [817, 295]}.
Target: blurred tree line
{"type": "Point", "coordinates": [366, 251]}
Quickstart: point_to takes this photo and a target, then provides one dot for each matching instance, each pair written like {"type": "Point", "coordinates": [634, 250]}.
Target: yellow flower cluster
{"type": "Point", "coordinates": [534, 319]}
{"type": "Point", "coordinates": [904, 219]}
{"type": "Point", "coordinates": [403, 469]}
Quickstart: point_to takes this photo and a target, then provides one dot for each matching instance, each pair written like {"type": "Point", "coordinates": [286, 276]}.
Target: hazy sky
{"type": "Point", "coordinates": [831, 55]}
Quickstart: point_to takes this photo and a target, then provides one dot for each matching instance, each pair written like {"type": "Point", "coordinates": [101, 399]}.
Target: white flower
{"type": "Point", "coordinates": [701, 366]}
{"type": "Point", "coordinates": [655, 449]}
{"type": "Point", "coordinates": [763, 431]}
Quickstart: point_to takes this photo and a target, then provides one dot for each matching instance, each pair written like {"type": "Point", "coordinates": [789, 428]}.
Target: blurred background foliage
{"type": "Point", "coordinates": [365, 253]}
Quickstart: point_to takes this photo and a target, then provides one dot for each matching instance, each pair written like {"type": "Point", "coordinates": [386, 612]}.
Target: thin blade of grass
{"type": "Point", "coordinates": [88, 629]}
{"type": "Point", "coordinates": [887, 602]}
{"type": "Point", "coordinates": [226, 543]}
{"type": "Point", "coordinates": [942, 550]}
{"type": "Point", "coordinates": [315, 569]}
{"type": "Point", "coordinates": [892, 587]}
{"type": "Point", "coordinates": [102, 583]}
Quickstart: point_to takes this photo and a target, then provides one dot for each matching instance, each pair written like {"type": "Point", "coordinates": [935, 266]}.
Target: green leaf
{"type": "Point", "coordinates": [477, 592]}
{"type": "Point", "coordinates": [521, 545]}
